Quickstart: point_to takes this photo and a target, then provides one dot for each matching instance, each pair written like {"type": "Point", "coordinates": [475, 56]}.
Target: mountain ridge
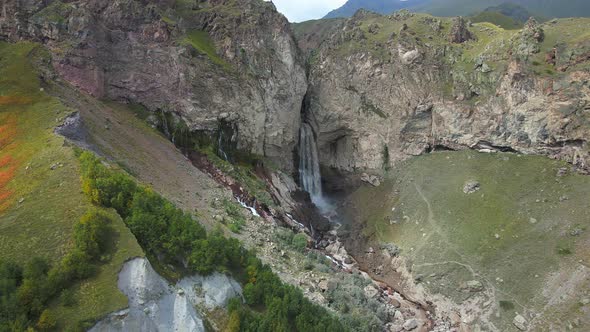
{"type": "Point", "coordinates": [547, 8]}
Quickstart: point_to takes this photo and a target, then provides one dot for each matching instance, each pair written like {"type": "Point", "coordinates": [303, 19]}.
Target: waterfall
{"type": "Point", "coordinates": [309, 164]}
{"type": "Point", "coordinates": [220, 151]}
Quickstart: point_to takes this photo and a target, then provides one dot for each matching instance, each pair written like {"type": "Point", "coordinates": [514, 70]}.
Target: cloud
{"type": "Point", "coordinates": [302, 10]}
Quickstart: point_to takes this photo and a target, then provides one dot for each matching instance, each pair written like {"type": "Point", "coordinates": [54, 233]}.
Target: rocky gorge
{"type": "Point", "coordinates": [329, 117]}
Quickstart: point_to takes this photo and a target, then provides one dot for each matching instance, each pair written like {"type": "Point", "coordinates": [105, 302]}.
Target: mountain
{"type": "Point", "coordinates": [506, 15]}
{"type": "Point", "coordinates": [379, 6]}
{"type": "Point", "coordinates": [206, 165]}
{"type": "Point", "coordinates": [547, 8]}
{"type": "Point", "coordinates": [511, 10]}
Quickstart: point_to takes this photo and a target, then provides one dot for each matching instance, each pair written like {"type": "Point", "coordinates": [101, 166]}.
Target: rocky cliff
{"type": "Point", "coordinates": [387, 87]}
{"type": "Point", "coordinates": [210, 63]}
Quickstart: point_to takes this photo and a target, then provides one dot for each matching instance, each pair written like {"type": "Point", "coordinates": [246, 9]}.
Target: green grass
{"type": "Point", "coordinates": [236, 216]}
{"type": "Point", "coordinates": [99, 295]}
{"type": "Point", "coordinates": [462, 228]}
{"type": "Point", "coordinates": [201, 41]}
{"type": "Point", "coordinates": [571, 34]}
{"type": "Point", "coordinates": [42, 225]}
{"type": "Point", "coordinates": [53, 201]}
{"type": "Point", "coordinates": [497, 18]}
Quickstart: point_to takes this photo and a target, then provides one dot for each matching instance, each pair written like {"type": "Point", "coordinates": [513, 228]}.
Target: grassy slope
{"type": "Point", "coordinates": [492, 45]}
{"type": "Point", "coordinates": [492, 41]}
{"type": "Point", "coordinates": [201, 41]}
{"type": "Point", "coordinates": [574, 34]}
{"type": "Point", "coordinates": [462, 227]}
{"type": "Point", "coordinates": [42, 224]}
{"type": "Point", "coordinates": [498, 19]}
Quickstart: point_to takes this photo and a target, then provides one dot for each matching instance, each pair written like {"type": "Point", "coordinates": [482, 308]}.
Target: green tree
{"type": "Point", "coordinates": [234, 322]}
{"type": "Point", "coordinates": [92, 232]}
{"type": "Point", "coordinates": [47, 321]}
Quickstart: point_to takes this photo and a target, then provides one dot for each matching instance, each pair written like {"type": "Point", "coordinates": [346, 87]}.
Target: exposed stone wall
{"type": "Point", "coordinates": [131, 50]}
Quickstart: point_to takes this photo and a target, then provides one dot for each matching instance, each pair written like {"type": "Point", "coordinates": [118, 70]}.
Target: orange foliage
{"type": "Point", "coordinates": [6, 176]}
{"type": "Point", "coordinates": [5, 161]}
{"type": "Point", "coordinates": [7, 130]}
{"type": "Point", "coordinates": [14, 100]}
{"type": "Point", "coordinates": [4, 195]}
{"type": "Point", "coordinates": [8, 165]}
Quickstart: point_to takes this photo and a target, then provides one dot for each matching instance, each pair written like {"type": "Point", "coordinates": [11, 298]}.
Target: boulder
{"type": "Point", "coordinates": [391, 249]}
{"type": "Point", "coordinates": [520, 323]}
{"type": "Point", "coordinates": [410, 324]}
{"type": "Point", "coordinates": [371, 179]}
{"type": "Point", "coordinates": [410, 57]}
{"type": "Point", "coordinates": [394, 327]}
{"type": "Point", "coordinates": [474, 286]}
{"type": "Point", "coordinates": [371, 292]}
{"type": "Point", "coordinates": [471, 186]}
{"type": "Point", "coordinates": [324, 285]}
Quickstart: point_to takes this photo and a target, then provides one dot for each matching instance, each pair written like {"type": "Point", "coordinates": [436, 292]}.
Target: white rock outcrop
{"type": "Point", "coordinates": [155, 305]}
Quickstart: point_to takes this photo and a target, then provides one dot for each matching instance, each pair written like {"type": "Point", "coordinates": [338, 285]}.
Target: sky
{"type": "Point", "coordinates": [303, 10]}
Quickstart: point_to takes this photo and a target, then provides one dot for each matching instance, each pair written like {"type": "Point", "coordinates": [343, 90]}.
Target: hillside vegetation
{"type": "Point", "coordinates": [182, 246]}
{"type": "Point", "coordinates": [56, 275]}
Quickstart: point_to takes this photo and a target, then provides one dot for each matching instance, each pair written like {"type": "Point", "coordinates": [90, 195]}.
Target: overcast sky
{"type": "Point", "coordinates": [303, 10]}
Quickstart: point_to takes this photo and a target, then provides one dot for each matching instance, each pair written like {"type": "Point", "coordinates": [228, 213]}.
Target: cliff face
{"type": "Point", "coordinates": [208, 62]}
{"type": "Point", "coordinates": [384, 88]}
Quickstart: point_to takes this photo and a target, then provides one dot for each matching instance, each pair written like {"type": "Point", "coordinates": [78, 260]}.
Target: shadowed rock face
{"type": "Point", "coordinates": [249, 73]}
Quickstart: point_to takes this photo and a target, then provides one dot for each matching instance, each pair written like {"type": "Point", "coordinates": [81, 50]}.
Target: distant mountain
{"type": "Point", "coordinates": [506, 15]}
{"type": "Point", "coordinates": [498, 19]}
{"type": "Point", "coordinates": [379, 6]}
{"type": "Point", "coordinates": [546, 8]}
{"type": "Point", "coordinates": [511, 10]}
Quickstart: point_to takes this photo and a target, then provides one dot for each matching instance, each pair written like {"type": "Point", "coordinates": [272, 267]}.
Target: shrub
{"type": "Point", "coordinates": [92, 234]}
{"type": "Point", "coordinates": [299, 242]}
{"type": "Point", "coordinates": [46, 321]}
{"type": "Point", "coordinates": [234, 211]}
{"type": "Point", "coordinates": [68, 298]}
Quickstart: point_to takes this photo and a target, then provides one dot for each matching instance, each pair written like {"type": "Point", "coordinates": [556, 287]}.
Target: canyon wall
{"type": "Point", "coordinates": [206, 62]}
{"type": "Point", "coordinates": [384, 88]}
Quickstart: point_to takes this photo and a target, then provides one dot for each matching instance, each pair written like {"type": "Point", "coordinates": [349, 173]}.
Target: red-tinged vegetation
{"type": "Point", "coordinates": [7, 130]}
{"type": "Point", "coordinates": [6, 160]}
{"type": "Point", "coordinates": [14, 100]}
{"type": "Point", "coordinates": [8, 164]}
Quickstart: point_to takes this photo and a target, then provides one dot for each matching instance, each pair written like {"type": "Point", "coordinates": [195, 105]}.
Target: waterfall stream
{"type": "Point", "coordinates": [220, 151]}
{"type": "Point", "coordinates": [309, 164]}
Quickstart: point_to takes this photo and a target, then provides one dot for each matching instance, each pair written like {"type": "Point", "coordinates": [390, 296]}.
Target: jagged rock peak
{"type": "Point", "coordinates": [527, 42]}
{"type": "Point", "coordinates": [459, 32]}
{"type": "Point", "coordinates": [534, 30]}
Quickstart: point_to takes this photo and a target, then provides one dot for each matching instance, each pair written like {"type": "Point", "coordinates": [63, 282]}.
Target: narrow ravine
{"type": "Point", "coordinates": [310, 179]}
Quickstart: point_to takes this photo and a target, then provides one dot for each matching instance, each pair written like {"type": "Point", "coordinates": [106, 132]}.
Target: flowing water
{"type": "Point", "coordinates": [309, 171]}
{"type": "Point", "coordinates": [309, 164]}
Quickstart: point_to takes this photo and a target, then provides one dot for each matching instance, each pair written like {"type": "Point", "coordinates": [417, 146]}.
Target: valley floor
{"type": "Point", "coordinates": [488, 236]}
